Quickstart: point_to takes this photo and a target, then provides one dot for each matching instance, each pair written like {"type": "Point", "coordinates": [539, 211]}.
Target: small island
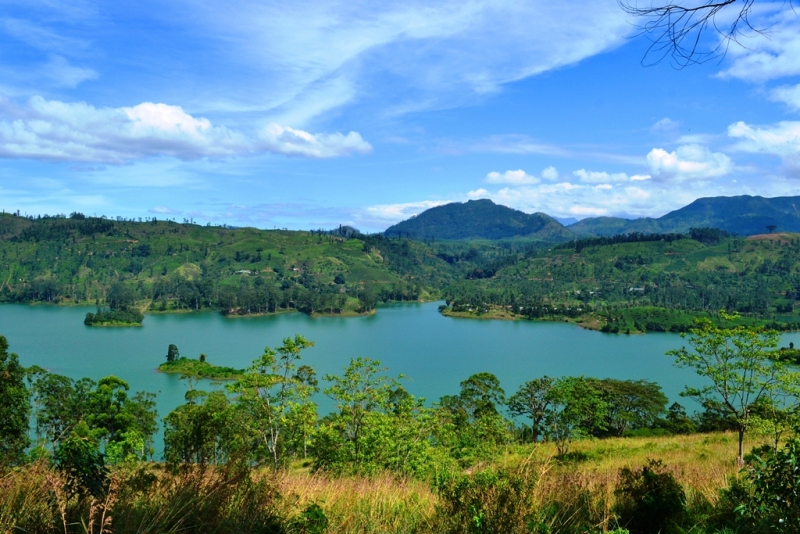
{"type": "Point", "coordinates": [199, 368]}
{"type": "Point", "coordinates": [108, 317]}
{"type": "Point", "coordinates": [120, 311]}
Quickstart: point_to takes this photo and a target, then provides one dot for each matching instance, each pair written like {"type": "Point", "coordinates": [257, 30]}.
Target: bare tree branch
{"type": "Point", "coordinates": [676, 29]}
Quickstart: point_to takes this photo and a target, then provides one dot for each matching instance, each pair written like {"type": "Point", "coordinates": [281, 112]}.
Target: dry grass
{"type": "Point", "coordinates": [356, 504]}
{"type": "Point", "coordinates": [569, 496]}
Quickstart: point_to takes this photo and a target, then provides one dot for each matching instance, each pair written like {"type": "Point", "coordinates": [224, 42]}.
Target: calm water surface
{"type": "Point", "coordinates": [434, 352]}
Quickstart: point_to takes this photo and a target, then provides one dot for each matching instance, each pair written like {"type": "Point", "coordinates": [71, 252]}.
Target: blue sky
{"type": "Point", "coordinates": [311, 114]}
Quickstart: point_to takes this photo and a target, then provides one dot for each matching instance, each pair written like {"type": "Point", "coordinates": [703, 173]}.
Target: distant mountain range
{"type": "Point", "coordinates": [483, 219]}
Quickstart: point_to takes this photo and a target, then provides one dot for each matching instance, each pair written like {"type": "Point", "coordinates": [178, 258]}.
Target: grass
{"type": "Point", "coordinates": [568, 495]}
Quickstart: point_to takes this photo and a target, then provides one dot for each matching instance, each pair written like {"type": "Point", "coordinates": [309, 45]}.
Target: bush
{"type": "Point", "coordinates": [772, 503]}
{"type": "Point", "coordinates": [650, 500]}
{"type": "Point", "coordinates": [488, 502]}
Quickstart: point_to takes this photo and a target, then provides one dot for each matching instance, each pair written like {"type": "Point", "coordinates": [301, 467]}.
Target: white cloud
{"type": "Point", "coordinates": [62, 131]}
{"type": "Point", "coordinates": [399, 212]}
{"type": "Point", "coordinates": [478, 193]}
{"type": "Point", "coordinates": [550, 173]}
{"type": "Point", "coordinates": [164, 210]}
{"type": "Point", "coordinates": [789, 95]}
{"type": "Point", "coordinates": [781, 139]}
{"type": "Point", "coordinates": [289, 141]}
{"type": "Point", "coordinates": [688, 162]}
{"type": "Point", "coordinates": [771, 55]}
{"type": "Point", "coordinates": [667, 127]}
{"type": "Point", "coordinates": [518, 177]}
{"type": "Point", "coordinates": [594, 177]}
{"type": "Point", "coordinates": [640, 177]}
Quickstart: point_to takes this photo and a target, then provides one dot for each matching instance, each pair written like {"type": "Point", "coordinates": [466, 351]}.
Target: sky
{"type": "Point", "coordinates": [315, 113]}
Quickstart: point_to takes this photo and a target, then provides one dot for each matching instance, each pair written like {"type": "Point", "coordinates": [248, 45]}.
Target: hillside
{"type": "Point", "coordinates": [741, 215]}
{"type": "Point", "coordinates": [643, 282]}
{"type": "Point", "coordinates": [171, 266]}
{"type": "Point", "coordinates": [479, 219]}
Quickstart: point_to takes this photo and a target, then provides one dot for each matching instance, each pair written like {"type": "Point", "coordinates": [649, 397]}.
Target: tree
{"type": "Point", "coordinates": [532, 401]}
{"type": "Point", "coordinates": [575, 406]}
{"type": "Point", "coordinates": [120, 297]}
{"type": "Point", "coordinates": [172, 353]}
{"type": "Point", "coordinates": [360, 391]}
{"type": "Point", "coordinates": [269, 391]}
{"type": "Point", "coordinates": [14, 407]}
{"type": "Point", "coordinates": [481, 394]}
{"type": "Point", "coordinates": [676, 29]}
{"type": "Point", "coordinates": [771, 227]}
{"type": "Point", "coordinates": [738, 364]}
{"type": "Point", "coordinates": [631, 404]}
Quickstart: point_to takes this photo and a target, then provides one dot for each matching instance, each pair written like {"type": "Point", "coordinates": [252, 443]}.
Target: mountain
{"type": "Point", "coordinates": [479, 219]}
{"type": "Point", "coordinates": [741, 215]}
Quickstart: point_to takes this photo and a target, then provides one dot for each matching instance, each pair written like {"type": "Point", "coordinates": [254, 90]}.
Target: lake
{"type": "Point", "coordinates": [433, 351]}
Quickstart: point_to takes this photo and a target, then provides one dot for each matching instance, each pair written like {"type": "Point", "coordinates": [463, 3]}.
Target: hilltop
{"type": "Point", "coordinates": [479, 219]}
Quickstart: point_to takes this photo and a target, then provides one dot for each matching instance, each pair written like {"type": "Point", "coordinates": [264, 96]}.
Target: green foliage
{"type": "Point", "coordinates": [270, 397]}
{"type": "Point", "coordinates": [532, 401]}
{"type": "Point", "coordinates": [172, 353]}
{"type": "Point", "coordinates": [14, 407]}
{"type": "Point", "coordinates": [79, 458]}
{"type": "Point", "coordinates": [201, 433]}
{"type": "Point", "coordinates": [650, 500]}
{"type": "Point", "coordinates": [312, 520]}
{"type": "Point", "coordinates": [575, 407]}
{"type": "Point", "coordinates": [772, 503]}
{"type": "Point", "coordinates": [113, 317]}
{"type": "Point", "coordinates": [201, 369]}
{"type": "Point", "coordinates": [738, 365]}
{"type": "Point", "coordinates": [488, 502]}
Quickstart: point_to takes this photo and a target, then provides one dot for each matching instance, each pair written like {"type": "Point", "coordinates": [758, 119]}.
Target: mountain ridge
{"type": "Point", "coordinates": [483, 219]}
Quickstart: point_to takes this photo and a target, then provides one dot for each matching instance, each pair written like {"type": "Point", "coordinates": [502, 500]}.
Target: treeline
{"type": "Point", "coordinates": [709, 236]}
{"type": "Point", "coordinates": [631, 237]}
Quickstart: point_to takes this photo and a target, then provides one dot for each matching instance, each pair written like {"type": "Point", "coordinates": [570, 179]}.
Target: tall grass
{"type": "Point", "coordinates": [527, 489]}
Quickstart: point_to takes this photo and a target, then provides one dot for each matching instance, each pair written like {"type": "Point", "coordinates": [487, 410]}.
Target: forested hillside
{"type": "Point", "coordinates": [643, 282]}
{"type": "Point", "coordinates": [170, 266]}
{"type": "Point", "coordinates": [626, 283]}
{"type": "Point", "coordinates": [480, 219]}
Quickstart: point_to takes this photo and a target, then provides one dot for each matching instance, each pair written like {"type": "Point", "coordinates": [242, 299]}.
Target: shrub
{"type": "Point", "coordinates": [500, 501]}
{"type": "Point", "coordinates": [773, 502]}
{"type": "Point", "coordinates": [649, 500]}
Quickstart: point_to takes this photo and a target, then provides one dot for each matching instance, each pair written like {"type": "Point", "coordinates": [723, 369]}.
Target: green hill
{"type": "Point", "coordinates": [643, 282]}
{"type": "Point", "coordinates": [741, 215]}
{"type": "Point", "coordinates": [479, 219]}
{"type": "Point", "coordinates": [171, 266]}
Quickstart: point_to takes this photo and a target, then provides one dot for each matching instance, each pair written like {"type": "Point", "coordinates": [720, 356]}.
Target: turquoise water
{"type": "Point", "coordinates": [434, 352]}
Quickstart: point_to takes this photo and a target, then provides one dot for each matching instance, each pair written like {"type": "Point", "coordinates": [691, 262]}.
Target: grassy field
{"type": "Point", "coordinates": [577, 495]}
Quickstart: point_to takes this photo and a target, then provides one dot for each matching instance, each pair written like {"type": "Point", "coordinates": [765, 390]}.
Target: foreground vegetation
{"type": "Point", "coordinates": [590, 455]}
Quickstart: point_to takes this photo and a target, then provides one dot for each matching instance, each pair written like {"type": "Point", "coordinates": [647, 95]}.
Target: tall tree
{"type": "Point", "coordinates": [14, 406]}
{"type": "Point", "coordinates": [739, 365]}
{"type": "Point", "coordinates": [269, 392]}
{"type": "Point", "coordinates": [532, 400]}
{"type": "Point", "coordinates": [363, 389]}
